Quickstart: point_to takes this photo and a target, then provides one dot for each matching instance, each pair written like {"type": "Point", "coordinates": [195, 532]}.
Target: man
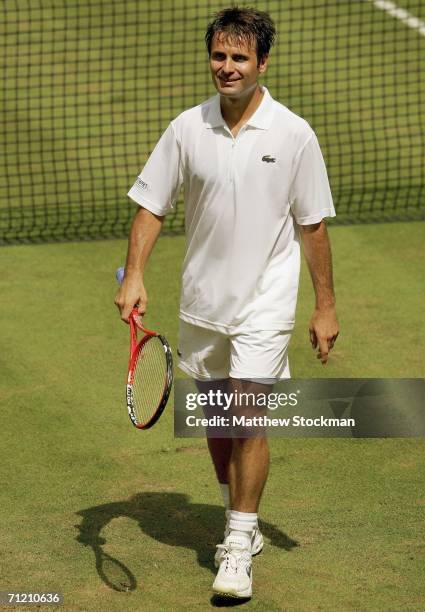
{"type": "Point", "coordinates": [255, 181]}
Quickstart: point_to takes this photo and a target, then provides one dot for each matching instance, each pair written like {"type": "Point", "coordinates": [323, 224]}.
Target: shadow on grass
{"type": "Point", "coordinates": [169, 518]}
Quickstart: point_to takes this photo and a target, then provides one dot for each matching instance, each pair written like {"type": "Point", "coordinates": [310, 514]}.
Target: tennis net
{"type": "Point", "coordinates": [88, 87]}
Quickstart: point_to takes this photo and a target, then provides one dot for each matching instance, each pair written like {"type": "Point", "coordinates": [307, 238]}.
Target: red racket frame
{"type": "Point", "coordinates": [135, 348]}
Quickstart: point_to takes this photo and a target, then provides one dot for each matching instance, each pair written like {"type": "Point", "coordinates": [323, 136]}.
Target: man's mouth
{"type": "Point", "coordinates": [228, 81]}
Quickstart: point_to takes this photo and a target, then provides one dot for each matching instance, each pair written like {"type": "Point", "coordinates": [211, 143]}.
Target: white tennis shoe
{"type": "Point", "coordinates": [234, 576]}
{"type": "Point", "coordinates": [257, 543]}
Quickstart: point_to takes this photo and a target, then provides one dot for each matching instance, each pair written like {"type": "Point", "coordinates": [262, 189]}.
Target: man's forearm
{"type": "Point", "coordinates": [145, 229]}
{"type": "Point", "coordinates": [143, 234]}
{"type": "Point", "coordinates": [323, 328]}
{"type": "Point", "coordinates": [318, 255]}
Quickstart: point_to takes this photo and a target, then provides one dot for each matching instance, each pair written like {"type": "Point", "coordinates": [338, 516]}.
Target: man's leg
{"type": "Point", "coordinates": [220, 448]}
{"type": "Point", "coordinates": [249, 460]}
{"type": "Point", "coordinates": [240, 462]}
{"type": "Point", "coordinates": [264, 354]}
{"type": "Point", "coordinates": [248, 469]}
{"type": "Point", "coordinates": [221, 451]}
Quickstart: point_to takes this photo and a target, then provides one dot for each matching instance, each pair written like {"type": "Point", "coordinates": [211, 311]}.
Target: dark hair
{"type": "Point", "coordinates": [244, 24]}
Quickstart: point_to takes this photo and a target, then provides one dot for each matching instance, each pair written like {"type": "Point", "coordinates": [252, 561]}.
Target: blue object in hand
{"type": "Point", "coordinates": [119, 275]}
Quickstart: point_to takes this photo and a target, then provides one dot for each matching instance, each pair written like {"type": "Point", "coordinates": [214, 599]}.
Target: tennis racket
{"type": "Point", "coordinates": [150, 371]}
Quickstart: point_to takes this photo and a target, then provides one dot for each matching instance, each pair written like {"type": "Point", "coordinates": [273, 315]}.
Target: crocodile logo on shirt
{"type": "Point", "coordinates": [269, 159]}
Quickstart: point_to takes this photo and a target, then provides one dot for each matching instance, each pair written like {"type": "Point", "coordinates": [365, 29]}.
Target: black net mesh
{"type": "Point", "coordinates": [89, 86]}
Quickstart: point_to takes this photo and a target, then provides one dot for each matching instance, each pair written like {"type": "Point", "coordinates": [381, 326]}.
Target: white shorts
{"type": "Point", "coordinates": [207, 354]}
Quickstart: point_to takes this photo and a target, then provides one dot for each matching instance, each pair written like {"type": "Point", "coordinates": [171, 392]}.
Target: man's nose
{"type": "Point", "coordinates": [228, 66]}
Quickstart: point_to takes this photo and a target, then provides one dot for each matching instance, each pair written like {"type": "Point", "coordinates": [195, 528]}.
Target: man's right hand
{"type": "Point", "coordinates": [131, 293]}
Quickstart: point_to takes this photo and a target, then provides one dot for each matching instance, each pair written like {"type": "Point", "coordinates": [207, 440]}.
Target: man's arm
{"type": "Point", "coordinates": [323, 327]}
{"type": "Point", "coordinates": [145, 229]}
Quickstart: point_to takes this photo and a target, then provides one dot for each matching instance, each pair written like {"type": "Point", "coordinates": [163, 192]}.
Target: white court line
{"type": "Point", "coordinates": [399, 13]}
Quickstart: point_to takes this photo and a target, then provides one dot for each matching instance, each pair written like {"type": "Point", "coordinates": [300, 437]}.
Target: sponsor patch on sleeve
{"type": "Point", "coordinates": [141, 184]}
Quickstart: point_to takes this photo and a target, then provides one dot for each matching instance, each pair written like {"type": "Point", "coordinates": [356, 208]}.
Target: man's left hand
{"type": "Point", "coordinates": [324, 330]}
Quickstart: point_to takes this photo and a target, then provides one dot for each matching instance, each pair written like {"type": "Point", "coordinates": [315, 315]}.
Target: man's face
{"type": "Point", "coordinates": [234, 66]}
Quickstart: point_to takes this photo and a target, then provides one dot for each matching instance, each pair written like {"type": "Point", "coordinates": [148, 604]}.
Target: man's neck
{"type": "Point", "coordinates": [237, 111]}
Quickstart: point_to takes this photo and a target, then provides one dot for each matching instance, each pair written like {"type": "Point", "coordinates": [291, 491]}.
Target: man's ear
{"type": "Point", "coordinates": [263, 63]}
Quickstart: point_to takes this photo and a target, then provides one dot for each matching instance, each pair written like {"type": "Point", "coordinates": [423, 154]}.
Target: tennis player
{"type": "Point", "coordinates": [255, 186]}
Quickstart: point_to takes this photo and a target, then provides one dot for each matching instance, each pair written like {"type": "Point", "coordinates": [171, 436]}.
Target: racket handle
{"type": "Point", "coordinates": [119, 275]}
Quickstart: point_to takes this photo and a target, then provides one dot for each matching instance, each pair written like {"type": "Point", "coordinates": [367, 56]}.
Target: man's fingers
{"type": "Point", "coordinates": [325, 345]}
{"type": "Point", "coordinates": [323, 350]}
{"type": "Point", "coordinates": [141, 308]}
{"type": "Point", "coordinates": [125, 311]}
{"type": "Point", "coordinates": [323, 357]}
{"type": "Point", "coordinates": [324, 331]}
{"type": "Point", "coordinates": [127, 299]}
{"type": "Point", "coordinates": [125, 314]}
{"type": "Point", "coordinates": [332, 341]}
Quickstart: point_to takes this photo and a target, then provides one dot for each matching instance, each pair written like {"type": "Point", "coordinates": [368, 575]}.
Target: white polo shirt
{"type": "Point", "coordinates": [243, 197]}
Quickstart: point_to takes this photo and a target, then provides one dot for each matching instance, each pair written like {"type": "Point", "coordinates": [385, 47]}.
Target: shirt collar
{"type": "Point", "coordinates": [261, 119]}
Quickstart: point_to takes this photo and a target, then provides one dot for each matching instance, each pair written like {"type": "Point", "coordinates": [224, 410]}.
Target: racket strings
{"type": "Point", "coordinates": [150, 379]}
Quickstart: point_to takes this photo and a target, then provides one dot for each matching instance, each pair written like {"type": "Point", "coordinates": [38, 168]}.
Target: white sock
{"type": "Point", "coordinates": [226, 495]}
{"type": "Point", "coordinates": [242, 524]}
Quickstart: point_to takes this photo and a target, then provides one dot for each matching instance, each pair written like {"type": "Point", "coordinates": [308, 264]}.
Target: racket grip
{"type": "Point", "coordinates": [119, 275]}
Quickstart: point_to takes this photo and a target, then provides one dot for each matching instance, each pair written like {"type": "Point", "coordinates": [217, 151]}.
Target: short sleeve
{"type": "Point", "coordinates": [158, 185]}
{"type": "Point", "coordinates": [310, 195]}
